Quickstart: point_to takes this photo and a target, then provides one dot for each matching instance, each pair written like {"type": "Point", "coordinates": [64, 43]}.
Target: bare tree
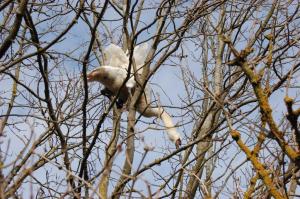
{"type": "Point", "coordinates": [226, 71]}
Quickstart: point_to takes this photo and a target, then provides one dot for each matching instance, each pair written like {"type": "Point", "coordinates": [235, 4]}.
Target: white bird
{"type": "Point", "coordinates": [113, 74]}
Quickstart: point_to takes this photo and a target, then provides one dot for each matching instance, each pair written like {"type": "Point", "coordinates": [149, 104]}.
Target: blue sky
{"type": "Point", "coordinates": [167, 86]}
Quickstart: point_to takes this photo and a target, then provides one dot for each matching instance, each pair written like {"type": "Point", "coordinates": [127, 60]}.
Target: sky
{"type": "Point", "coordinates": [166, 84]}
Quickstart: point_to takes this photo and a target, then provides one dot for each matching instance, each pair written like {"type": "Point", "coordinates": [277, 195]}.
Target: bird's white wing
{"type": "Point", "coordinates": [140, 53]}
{"type": "Point", "coordinates": [115, 56]}
{"type": "Point", "coordinates": [119, 75]}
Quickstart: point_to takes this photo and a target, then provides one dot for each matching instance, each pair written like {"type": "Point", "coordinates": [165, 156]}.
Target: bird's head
{"type": "Point", "coordinates": [98, 74]}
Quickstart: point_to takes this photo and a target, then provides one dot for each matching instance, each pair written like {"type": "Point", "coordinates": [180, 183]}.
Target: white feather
{"type": "Point", "coordinates": [115, 56]}
{"type": "Point", "coordinates": [120, 74]}
{"type": "Point", "coordinates": [140, 53]}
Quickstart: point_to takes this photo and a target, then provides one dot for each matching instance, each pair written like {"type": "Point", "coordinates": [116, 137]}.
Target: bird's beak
{"type": "Point", "coordinates": [90, 77]}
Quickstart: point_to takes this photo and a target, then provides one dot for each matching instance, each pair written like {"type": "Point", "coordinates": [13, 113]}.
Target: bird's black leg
{"type": "Point", "coordinates": [106, 93]}
{"type": "Point", "coordinates": [122, 99]}
{"type": "Point", "coordinates": [119, 103]}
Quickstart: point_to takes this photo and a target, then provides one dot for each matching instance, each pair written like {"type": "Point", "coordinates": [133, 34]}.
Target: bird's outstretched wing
{"type": "Point", "coordinates": [140, 53]}
{"type": "Point", "coordinates": [115, 56]}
